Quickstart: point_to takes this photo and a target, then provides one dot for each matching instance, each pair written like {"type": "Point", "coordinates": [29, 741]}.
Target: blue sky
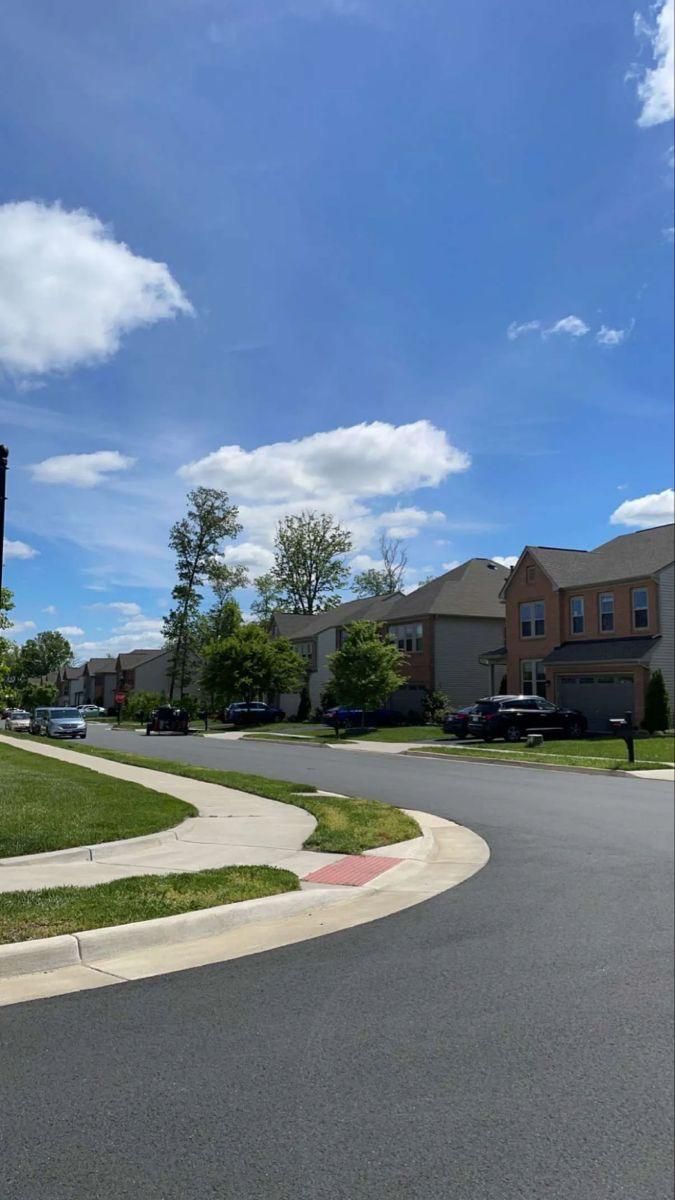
{"type": "Point", "coordinates": [358, 204]}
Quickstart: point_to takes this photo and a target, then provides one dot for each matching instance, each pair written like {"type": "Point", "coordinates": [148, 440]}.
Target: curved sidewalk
{"type": "Point", "coordinates": [337, 892]}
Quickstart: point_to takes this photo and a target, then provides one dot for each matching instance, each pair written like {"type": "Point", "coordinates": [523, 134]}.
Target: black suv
{"type": "Point", "coordinates": [511, 717]}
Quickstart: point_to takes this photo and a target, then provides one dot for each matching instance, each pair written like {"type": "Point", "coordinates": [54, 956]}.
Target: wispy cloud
{"type": "Point", "coordinates": [655, 84]}
{"type": "Point", "coordinates": [80, 470]}
{"type": "Point", "coordinates": [515, 330]}
{"type": "Point", "coordinates": [612, 337]}
{"type": "Point", "coordinates": [18, 550]}
{"type": "Point", "coordinates": [70, 630]}
{"type": "Point", "coordinates": [572, 326]}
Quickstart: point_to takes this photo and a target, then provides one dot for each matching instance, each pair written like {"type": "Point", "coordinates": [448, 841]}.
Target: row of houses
{"type": "Point", "coordinates": [584, 628]}
{"type": "Point", "coordinates": [97, 681]}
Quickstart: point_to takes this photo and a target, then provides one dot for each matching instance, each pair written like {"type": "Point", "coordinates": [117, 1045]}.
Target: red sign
{"type": "Point", "coordinates": [120, 697]}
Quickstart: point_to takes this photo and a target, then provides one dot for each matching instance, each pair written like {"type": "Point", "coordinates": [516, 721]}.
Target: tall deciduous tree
{"type": "Point", "coordinates": [7, 648]}
{"type": "Point", "coordinates": [267, 599]}
{"type": "Point", "coordinates": [251, 664]}
{"type": "Point", "coordinates": [309, 568]}
{"type": "Point", "coordinates": [382, 581]}
{"type": "Point", "coordinates": [224, 616]}
{"type": "Point", "coordinates": [197, 542]}
{"type": "Point", "coordinates": [46, 652]}
{"type": "Point", "coordinates": [366, 670]}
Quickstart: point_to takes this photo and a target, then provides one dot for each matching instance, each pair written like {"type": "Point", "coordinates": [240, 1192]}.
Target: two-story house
{"type": "Point", "coordinates": [442, 627]}
{"type": "Point", "coordinates": [71, 686]}
{"type": "Point", "coordinates": [100, 678]}
{"type": "Point", "coordinates": [586, 627]}
{"type": "Point", "coordinates": [143, 671]}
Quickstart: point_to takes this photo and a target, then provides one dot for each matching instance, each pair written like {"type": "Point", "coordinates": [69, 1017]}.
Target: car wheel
{"type": "Point", "coordinates": [512, 733]}
{"type": "Point", "coordinates": [575, 730]}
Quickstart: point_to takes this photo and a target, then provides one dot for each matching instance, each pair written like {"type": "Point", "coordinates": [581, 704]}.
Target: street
{"type": "Point", "coordinates": [510, 1038]}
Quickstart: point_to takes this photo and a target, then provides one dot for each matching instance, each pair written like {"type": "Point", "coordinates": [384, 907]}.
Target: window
{"type": "Point", "coordinates": [306, 651]}
{"type": "Point", "coordinates": [533, 677]}
{"type": "Point", "coordinates": [530, 574]}
{"type": "Point", "coordinates": [640, 608]}
{"type": "Point", "coordinates": [545, 705]}
{"type": "Point", "coordinates": [407, 637]}
{"type": "Point", "coordinates": [577, 614]}
{"type": "Point", "coordinates": [606, 604]}
{"type": "Point", "coordinates": [532, 619]}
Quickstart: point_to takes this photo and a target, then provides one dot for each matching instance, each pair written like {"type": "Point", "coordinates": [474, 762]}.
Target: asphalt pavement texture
{"type": "Point", "coordinates": [509, 1039]}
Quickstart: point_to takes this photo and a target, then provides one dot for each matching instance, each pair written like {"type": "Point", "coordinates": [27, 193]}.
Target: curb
{"type": "Point", "coordinates": [445, 855]}
{"type": "Point", "coordinates": [502, 762]}
{"type": "Point", "coordinates": [88, 853]}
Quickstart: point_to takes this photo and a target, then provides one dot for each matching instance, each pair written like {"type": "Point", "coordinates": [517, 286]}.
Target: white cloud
{"type": "Point", "coordinates": [610, 337]}
{"type": "Point", "coordinates": [370, 459]}
{"type": "Point", "coordinates": [505, 560]}
{"type": "Point", "coordinates": [515, 330]}
{"type": "Point", "coordinates": [68, 291]}
{"type": "Point", "coordinates": [125, 608]}
{"type": "Point", "coordinates": [18, 550]}
{"type": "Point", "coordinates": [20, 627]}
{"type": "Point", "coordinates": [656, 509]}
{"type": "Point", "coordinates": [407, 522]}
{"type": "Point", "coordinates": [139, 632]}
{"type": "Point", "coordinates": [70, 630]}
{"type": "Point", "coordinates": [50, 609]}
{"type": "Point", "coordinates": [450, 566]}
{"type": "Point", "coordinates": [655, 88]}
{"type": "Point", "coordinates": [257, 559]}
{"type": "Point", "coordinates": [80, 470]}
{"type": "Point", "coordinates": [574, 326]}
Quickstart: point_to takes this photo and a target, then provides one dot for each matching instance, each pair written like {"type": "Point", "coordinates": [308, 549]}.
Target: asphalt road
{"type": "Point", "coordinates": [508, 1040]}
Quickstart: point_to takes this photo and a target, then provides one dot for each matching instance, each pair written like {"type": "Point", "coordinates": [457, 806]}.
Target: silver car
{"type": "Point", "coordinates": [18, 721]}
{"type": "Point", "coordinates": [59, 722]}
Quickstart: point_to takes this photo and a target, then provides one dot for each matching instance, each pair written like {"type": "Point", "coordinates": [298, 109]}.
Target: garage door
{"type": "Point", "coordinates": [598, 697]}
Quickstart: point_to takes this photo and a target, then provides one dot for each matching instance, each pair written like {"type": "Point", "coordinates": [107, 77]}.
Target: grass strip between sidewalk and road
{"type": "Point", "coordinates": [603, 754]}
{"type": "Point", "coordinates": [296, 731]}
{"type": "Point", "coordinates": [345, 825]}
{"type": "Point", "coordinates": [51, 911]}
{"type": "Point", "coordinates": [51, 805]}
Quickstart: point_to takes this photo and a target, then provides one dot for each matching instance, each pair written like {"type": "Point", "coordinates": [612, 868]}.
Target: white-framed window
{"type": "Point", "coordinates": [407, 637]}
{"type": "Point", "coordinates": [306, 651]}
{"type": "Point", "coordinates": [640, 608]}
{"type": "Point", "coordinates": [533, 619]}
{"type": "Point", "coordinates": [533, 677]}
{"type": "Point", "coordinates": [606, 611]}
{"type": "Point", "coordinates": [577, 614]}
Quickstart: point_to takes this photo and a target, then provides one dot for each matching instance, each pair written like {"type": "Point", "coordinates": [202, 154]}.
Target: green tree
{"type": "Point", "coordinates": [197, 543]}
{"type": "Point", "coordinates": [44, 653]}
{"type": "Point", "coordinates": [309, 570]}
{"type": "Point", "coordinates": [382, 581]}
{"type": "Point", "coordinates": [139, 705]}
{"type": "Point", "coordinates": [37, 695]}
{"type": "Point", "coordinates": [8, 649]}
{"type": "Point", "coordinates": [366, 669]}
{"type": "Point", "coordinates": [434, 707]}
{"type": "Point", "coordinates": [267, 599]}
{"type": "Point", "coordinates": [657, 705]}
{"type": "Point", "coordinates": [250, 664]}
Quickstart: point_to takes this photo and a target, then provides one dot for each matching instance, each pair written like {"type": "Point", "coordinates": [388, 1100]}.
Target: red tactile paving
{"type": "Point", "coordinates": [353, 870]}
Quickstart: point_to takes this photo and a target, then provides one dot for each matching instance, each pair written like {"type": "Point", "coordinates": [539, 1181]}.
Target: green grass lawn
{"type": "Point", "coordinates": [603, 753]}
{"type": "Point", "coordinates": [322, 733]}
{"type": "Point", "coordinates": [344, 826]}
{"type": "Point", "coordinates": [51, 911]}
{"type": "Point", "coordinates": [51, 805]}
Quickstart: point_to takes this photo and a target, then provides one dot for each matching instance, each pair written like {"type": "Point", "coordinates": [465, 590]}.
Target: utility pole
{"type": "Point", "coordinates": [4, 455]}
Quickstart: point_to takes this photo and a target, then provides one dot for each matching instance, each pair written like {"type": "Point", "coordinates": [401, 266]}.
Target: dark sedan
{"type": "Point", "coordinates": [458, 722]}
{"type": "Point", "coordinates": [512, 717]}
{"type": "Point", "coordinates": [255, 713]}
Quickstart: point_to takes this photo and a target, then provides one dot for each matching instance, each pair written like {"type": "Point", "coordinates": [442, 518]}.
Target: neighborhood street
{"type": "Point", "coordinates": [509, 1038]}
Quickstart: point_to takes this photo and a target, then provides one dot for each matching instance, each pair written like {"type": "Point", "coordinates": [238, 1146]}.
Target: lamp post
{"type": "Point", "coordinates": [4, 455]}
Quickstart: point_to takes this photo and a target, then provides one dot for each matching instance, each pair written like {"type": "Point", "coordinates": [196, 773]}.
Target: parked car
{"type": "Point", "coordinates": [91, 710]}
{"type": "Point", "coordinates": [18, 720]}
{"type": "Point", "coordinates": [59, 722]}
{"type": "Point", "coordinates": [511, 717]}
{"type": "Point", "coordinates": [343, 715]}
{"type": "Point", "coordinates": [458, 722]}
{"type": "Point", "coordinates": [166, 719]}
{"type": "Point", "coordinates": [255, 713]}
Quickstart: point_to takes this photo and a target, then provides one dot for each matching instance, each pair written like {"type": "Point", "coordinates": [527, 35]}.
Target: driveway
{"type": "Point", "coordinates": [508, 1039]}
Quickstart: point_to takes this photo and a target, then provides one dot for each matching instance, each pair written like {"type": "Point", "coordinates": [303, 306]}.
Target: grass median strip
{"type": "Point", "coordinates": [603, 754]}
{"type": "Point", "coordinates": [344, 825]}
{"type": "Point", "coordinates": [49, 805]}
{"type": "Point", "coordinates": [295, 731]}
{"type": "Point", "coordinates": [52, 911]}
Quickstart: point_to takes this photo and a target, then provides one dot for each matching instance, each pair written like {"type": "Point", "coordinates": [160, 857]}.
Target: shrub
{"type": "Point", "coordinates": [304, 706]}
{"type": "Point", "coordinates": [657, 707]}
{"type": "Point", "coordinates": [434, 707]}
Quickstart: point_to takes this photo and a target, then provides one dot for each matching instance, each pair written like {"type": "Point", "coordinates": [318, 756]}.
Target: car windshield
{"type": "Point", "coordinates": [486, 706]}
{"type": "Point", "coordinates": [62, 714]}
{"type": "Point", "coordinates": [19, 715]}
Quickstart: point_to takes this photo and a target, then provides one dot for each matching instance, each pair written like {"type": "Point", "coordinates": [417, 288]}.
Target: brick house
{"type": "Point", "coordinates": [585, 628]}
{"type": "Point", "coordinates": [442, 627]}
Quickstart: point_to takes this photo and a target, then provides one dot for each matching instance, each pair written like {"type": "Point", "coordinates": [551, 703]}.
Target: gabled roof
{"type": "Point", "coordinates": [470, 590]}
{"type": "Point", "coordinates": [72, 672]}
{"type": "Point", "coordinates": [134, 658]}
{"type": "Point", "coordinates": [370, 608]}
{"type": "Point", "coordinates": [100, 666]}
{"type": "Point", "coordinates": [629, 556]}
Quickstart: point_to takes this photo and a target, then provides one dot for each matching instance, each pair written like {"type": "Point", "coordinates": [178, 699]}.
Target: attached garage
{"type": "Point", "coordinates": [603, 678]}
{"type": "Point", "coordinates": [598, 697]}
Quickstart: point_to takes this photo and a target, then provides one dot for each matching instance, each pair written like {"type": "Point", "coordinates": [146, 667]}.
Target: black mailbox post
{"type": "Point", "coordinates": [623, 728]}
